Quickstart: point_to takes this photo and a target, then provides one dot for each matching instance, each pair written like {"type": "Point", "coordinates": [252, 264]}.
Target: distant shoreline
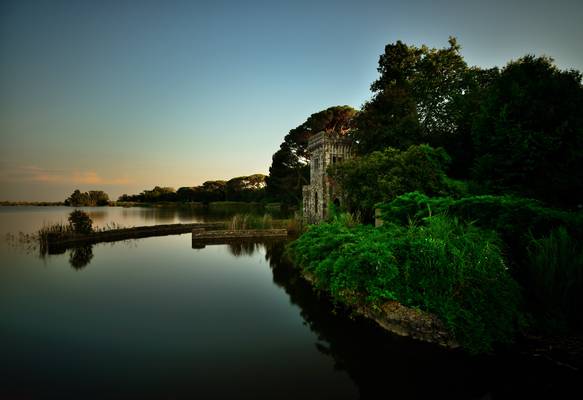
{"type": "Point", "coordinates": [32, 203]}
{"type": "Point", "coordinates": [168, 204]}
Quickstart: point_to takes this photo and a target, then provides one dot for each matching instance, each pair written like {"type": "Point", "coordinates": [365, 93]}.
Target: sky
{"type": "Point", "coordinates": [122, 96]}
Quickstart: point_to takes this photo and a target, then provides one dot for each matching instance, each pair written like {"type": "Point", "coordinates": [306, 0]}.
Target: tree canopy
{"type": "Point", "coordinates": [91, 198]}
{"type": "Point", "coordinates": [528, 135]}
{"type": "Point", "coordinates": [289, 169]}
{"type": "Point", "coordinates": [384, 175]}
{"type": "Point", "coordinates": [417, 98]}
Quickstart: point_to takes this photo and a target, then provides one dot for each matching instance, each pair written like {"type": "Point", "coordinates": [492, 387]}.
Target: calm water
{"type": "Point", "coordinates": [155, 318]}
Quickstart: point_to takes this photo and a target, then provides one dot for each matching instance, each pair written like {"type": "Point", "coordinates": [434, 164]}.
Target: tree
{"type": "Point", "coordinates": [80, 222]}
{"type": "Point", "coordinates": [384, 175]}
{"type": "Point", "coordinates": [245, 188]}
{"type": "Point", "coordinates": [77, 199]}
{"type": "Point", "coordinates": [158, 194]}
{"type": "Point", "coordinates": [333, 119]}
{"type": "Point", "coordinates": [98, 198]}
{"type": "Point", "coordinates": [416, 99]}
{"type": "Point", "coordinates": [528, 136]}
{"type": "Point", "coordinates": [213, 191]}
{"type": "Point", "coordinates": [287, 175]}
{"type": "Point", "coordinates": [289, 169]}
{"type": "Point", "coordinates": [91, 199]}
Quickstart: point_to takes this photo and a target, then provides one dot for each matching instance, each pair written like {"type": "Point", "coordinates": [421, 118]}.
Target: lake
{"type": "Point", "coordinates": [157, 318]}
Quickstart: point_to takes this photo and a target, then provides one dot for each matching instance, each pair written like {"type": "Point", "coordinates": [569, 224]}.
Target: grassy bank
{"type": "Point", "coordinates": [542, 247]}
{"type": "Point", "coordinates": [453, 270]}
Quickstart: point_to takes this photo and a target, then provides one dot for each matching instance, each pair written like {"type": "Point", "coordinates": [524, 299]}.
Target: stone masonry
{"type": "Point", "coordinates": [325, 148]}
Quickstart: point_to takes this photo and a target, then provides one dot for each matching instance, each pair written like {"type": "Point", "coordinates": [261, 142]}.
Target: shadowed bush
{"type": "Point", "coordinates": [555, 276]}
{"type": "Point", "coordinates": [515, 219]}
{"type": "Point", "coordinates": [541, 244]}
{"type": "Point", "coordinates": [80, 222]}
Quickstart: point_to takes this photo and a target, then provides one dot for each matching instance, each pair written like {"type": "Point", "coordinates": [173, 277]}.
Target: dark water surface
{"type": "Point", "coordinates": [155, 318]}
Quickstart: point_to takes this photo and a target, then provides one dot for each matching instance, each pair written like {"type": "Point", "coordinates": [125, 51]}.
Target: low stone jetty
{"type": "Point", "coordinates": [202, 237]}
{"type": "Point", "coordinates": [58, 242]}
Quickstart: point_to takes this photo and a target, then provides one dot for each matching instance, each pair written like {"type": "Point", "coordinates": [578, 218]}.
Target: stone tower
{"type": "Point", "coordinates": [325, 148]}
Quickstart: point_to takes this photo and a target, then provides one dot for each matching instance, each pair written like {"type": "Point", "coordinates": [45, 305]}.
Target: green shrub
{"type": "Point", "coordinates": [386, 174]}
{"type": "Point", "coordinates": [80, 222]}
{"type": "Point", "coordinates": [540, 244]}
{"type": "Point", "coordinates": [515, 219]}
{"type": "Point", "coordinates": [451, 269]}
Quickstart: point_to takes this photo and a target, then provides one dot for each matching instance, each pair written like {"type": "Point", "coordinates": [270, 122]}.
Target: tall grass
{"type": "Point", "coordinates": [51, 230]}
{"type": "Point", "coordinates": [555, 276]}
{"type": "Point", "coordinates": [250, 221]}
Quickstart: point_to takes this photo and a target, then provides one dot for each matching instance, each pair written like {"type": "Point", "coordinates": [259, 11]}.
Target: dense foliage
{"type": "Point", "coordinates": [542, 244]}
{"type": "Point", "coordinates": [453, 270]}
{"type": "Point", "coordinates": [386, 174]}
{"type": "Point", "coordinates": [519, 130]}
{"type": "Point", "coordinates": [421, 96]}
{"type": "Point", "coordinates": [514, 218]}
{"type": "Point", "coordinates": [500, 151]}
{"type": "Point", "coordinates": [91, 198]}
{"type": "Point", "coordinates": [528, 136]}
{"type": "Point", "coordinates": [80, 222]}
{"type": "Point", "coordinates": [556, 277]}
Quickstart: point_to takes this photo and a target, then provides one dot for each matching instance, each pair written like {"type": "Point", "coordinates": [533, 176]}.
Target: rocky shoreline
{"type": "Point", "coordinates": [403, 321]}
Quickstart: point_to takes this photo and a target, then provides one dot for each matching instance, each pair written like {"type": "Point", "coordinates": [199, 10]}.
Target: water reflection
{"type": "Point", "coordinates": [97, 216]}
{"type": "Point", "coordinates": [382, 363]}
{"type": "Point", "coordinates": [196, 213]}
{"type": "Point", "coordinates": [80, 257]}
{"type": "Point", "coordinates": [244, 248]}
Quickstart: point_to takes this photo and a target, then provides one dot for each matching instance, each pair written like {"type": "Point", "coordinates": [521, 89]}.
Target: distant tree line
{"type": "Point", "coordinates": [91, 198]}
{"type": "Point", "coordinates": [244, 188]}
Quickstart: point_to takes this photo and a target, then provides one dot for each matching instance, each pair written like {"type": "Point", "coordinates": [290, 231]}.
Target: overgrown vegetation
{"type": "Point", "coordinates": [555, 279]}
{"type": "Point", "coordinates": [385, 174]}
{"type": "Point", "coordinates": [52, 230]}
{"type": "Point", "coordinates": [446, 267]}
{"type": "Point", "coordinates": [541, 244]}
{"type": "Point", "coordinates": [80, 222]}
{"type": "Point", "coordinates": [479, 179]}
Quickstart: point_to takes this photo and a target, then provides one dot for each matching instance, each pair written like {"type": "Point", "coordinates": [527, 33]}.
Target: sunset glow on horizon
{"type": "Point", "coordinates": [122, 96]}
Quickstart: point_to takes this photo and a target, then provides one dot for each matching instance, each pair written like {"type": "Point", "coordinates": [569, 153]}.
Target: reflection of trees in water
{"type": "Point", "coordinates": [97, 215]}
{"type": "Point", "coordinates": [377, 362]}
{"type": "Point", "coordinates": [386, 365]}
{"type": "Point", "coordinates": [80, 257]}
{"type": "Point", "coordinates": [244, 248]}
{"type": "Point", "coordinates": [194, 213]}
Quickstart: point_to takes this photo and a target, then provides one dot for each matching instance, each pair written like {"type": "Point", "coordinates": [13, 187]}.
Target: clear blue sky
{"type": "Point", "coordinates": [124, 95]}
